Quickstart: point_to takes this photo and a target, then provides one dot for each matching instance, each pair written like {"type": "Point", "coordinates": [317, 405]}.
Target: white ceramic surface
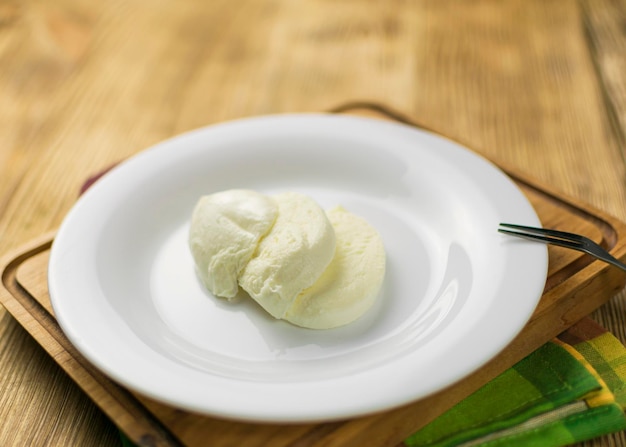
{"type": "Point", "coordinates": [456, 292]}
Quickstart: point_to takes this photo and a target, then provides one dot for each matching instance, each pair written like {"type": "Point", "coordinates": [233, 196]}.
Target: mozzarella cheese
{"type": "Point", "coordinates": [352, 281]}
{"type": "Point", "coordinates": [225, 230]}
{"type": "Point", "coordinates": [292, 256]}
{"type": "Point", "coordinates": [312, 268]}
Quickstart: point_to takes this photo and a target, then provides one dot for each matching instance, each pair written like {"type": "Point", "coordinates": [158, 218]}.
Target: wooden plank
{"type": "Point", "coordinates": [604, 24]}
{"type": "Point", "coordinates": [604, 27]}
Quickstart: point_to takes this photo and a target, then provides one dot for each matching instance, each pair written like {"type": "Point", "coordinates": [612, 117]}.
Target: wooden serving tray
{"type": "Point", "coordinates": [576, 286]}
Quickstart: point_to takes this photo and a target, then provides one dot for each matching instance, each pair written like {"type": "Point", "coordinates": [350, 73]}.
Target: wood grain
{"type": "Point", "coordinates": [604, 25]}
{"type": "Point", "coordinates": [534, 83]}
{"type": "Point", "coordinates": [35, 378]}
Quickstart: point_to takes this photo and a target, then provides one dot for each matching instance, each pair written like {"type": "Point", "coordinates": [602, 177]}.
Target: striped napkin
{"type": "Point", "coordinates": [571, 389]}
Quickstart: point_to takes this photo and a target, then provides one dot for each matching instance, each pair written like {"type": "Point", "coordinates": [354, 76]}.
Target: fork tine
{"type": "Point", "coordinates": [539, 236]}
{"type": "Point", "coordinates": [545, 231]}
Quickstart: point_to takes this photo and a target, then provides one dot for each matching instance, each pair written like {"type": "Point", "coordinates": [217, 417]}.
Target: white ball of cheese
{"type": "Point", "coordinates": [352, 281]}
{"type": "Point", "coordinates": [292, 256]}
{"type": "Point", "coordinates": [225, 230]}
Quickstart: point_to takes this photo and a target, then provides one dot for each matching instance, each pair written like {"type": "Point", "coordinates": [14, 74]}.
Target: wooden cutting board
{"type": "Point", "coordinates": [576, 285]}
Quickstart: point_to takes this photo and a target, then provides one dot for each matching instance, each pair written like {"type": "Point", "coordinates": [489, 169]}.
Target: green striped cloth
{"type": "Point", "coordinates": [570, 390]}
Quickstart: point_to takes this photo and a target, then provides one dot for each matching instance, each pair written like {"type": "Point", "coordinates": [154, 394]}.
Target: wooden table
{"type": "Point", "coordinates": [540, 85]}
